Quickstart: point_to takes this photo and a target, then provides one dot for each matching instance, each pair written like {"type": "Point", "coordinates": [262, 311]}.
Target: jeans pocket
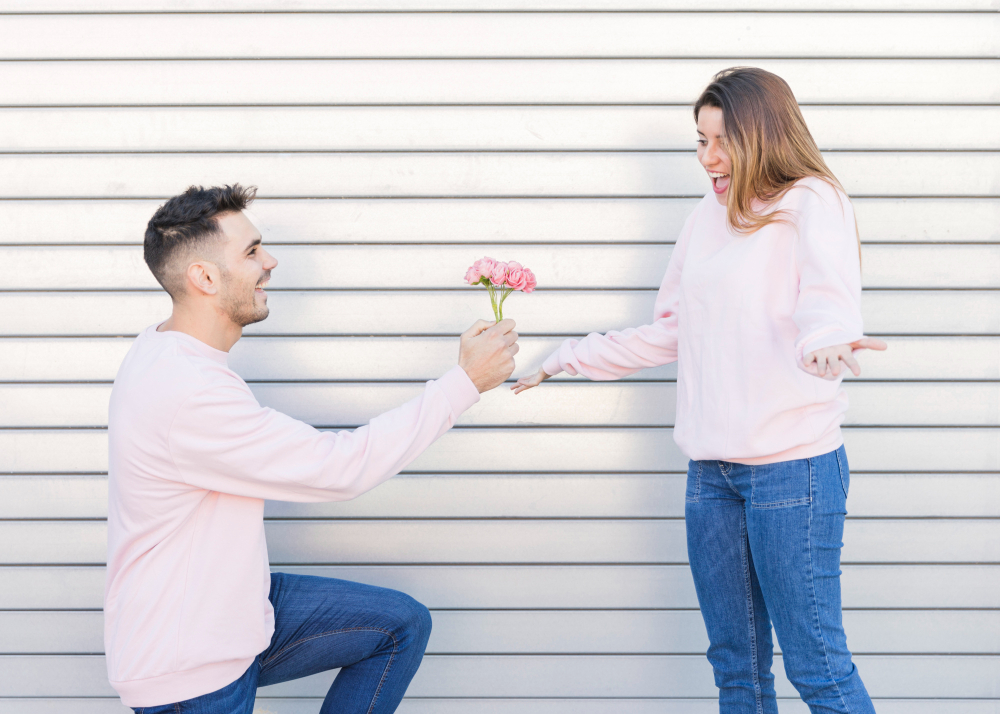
{"type": "Point", "coordinates": [693, 482]}
{"type": "Point", "coordinates": [781, 485]}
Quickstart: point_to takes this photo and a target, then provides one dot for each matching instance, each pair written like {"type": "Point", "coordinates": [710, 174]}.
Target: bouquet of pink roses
{"type": "Point", "coordinates": [501, 279]}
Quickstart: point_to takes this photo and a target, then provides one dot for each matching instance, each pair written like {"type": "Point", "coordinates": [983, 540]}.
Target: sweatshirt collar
{"type": "Point", "coordinates": [203, 349]}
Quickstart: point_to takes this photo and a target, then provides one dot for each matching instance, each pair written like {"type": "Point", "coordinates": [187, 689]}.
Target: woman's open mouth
{"type": "Point", "coordinates": [720, 182]}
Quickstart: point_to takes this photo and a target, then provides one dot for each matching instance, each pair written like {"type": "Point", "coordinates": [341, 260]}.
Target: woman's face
{"type": "Point", "coordinates": [711, 151]}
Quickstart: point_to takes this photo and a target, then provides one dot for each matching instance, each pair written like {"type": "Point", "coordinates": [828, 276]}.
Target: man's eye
{"type": "Point", "coordinates": [254, 250]}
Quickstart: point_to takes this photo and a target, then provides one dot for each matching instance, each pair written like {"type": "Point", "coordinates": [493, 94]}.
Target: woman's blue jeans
{"type": "Point", "coordinates": [375, 636]}
{"type": "Point", "coordinates": [764, 545]}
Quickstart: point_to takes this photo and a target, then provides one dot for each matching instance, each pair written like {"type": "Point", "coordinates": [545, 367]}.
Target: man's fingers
{"type": "Point", "coordinates": [510, 338]}
{"type": "Point", "coordinates": [513, 349]}
{"type": "Point", "coordinates": [479, 327]}
{"type": "Point", "coordinates": [505, 326]}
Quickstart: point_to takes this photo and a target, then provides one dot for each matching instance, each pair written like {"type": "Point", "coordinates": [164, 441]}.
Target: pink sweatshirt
{"type": "Point", "coordinates": [737, 314]}
{"type": "Point", "coordinates": [192, 458]}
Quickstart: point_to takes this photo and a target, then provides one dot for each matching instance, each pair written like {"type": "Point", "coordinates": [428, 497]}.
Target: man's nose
{"type": "Point", "coordinates": [269, 262]}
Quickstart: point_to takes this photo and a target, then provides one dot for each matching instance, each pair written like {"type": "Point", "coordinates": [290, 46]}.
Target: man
{"type": "Point", "coordinates": [194, 621]}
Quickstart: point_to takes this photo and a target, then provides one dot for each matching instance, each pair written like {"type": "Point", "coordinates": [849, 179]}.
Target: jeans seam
{"type": "Point", "coordinates": [325, 634]}
{"type": "Point", "coordinates": [815, 600]}
{"type": "Point", "coordinates": [385, 674]}
{"type": "Point", "coordinates": [697, 487]}
{"type": "Point", "coordinates": [725, 475]}
{"type": "Point", "coordinates": [754, 665]}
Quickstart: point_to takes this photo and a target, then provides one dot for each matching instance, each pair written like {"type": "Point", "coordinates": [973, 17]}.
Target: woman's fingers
{"type": "Point", "coordinates": [852, 364]}
{"type": "Point", "coordinates": [829, 359]}
{"type": "Point", "coordinates": [869, 343]}
{"type": "Point", "coordinates": [524, 383]}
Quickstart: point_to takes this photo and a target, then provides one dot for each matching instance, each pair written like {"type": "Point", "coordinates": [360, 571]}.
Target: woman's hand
{"type": "Point", "coordinates": [829, 358]}
{"type": "Point", "coordinates": [528, 382]}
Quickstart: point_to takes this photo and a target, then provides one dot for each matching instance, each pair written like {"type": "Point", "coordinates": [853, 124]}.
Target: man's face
{"type": "Point", "coordinates": [246, 268]}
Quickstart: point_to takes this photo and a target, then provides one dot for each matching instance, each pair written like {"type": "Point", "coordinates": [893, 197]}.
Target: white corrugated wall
{"type": "Point", "coordinates": [394, 142]}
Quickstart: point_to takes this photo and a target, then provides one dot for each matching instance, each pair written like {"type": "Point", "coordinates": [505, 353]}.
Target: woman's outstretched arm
{"type": "Point", "coordinates": [617, 354]}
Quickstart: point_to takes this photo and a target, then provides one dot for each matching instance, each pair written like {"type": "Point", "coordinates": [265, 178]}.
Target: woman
{"type": "Point", "coordinates": [760, 307]}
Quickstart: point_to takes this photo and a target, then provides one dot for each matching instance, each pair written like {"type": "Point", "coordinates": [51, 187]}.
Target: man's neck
{"type": "Point", "coordinates": [205, 325]}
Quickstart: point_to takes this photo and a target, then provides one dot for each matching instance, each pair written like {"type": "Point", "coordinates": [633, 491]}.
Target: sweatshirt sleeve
{"type": "Point", "coordinates": [222, 440]}
{"type": "Point", "coordinates": [828, 310]}
{"type": "Point", "coordinates": [618, 354]}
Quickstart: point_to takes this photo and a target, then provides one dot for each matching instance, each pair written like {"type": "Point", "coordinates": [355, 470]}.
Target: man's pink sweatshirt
{"type": "Point", "coordinates": [737, 313]}
{"type": "Point", "coordinates": [192, 456]}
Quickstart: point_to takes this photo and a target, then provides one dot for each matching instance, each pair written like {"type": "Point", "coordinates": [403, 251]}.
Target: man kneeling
{"type": "Point", "coordinates": [194, 620]}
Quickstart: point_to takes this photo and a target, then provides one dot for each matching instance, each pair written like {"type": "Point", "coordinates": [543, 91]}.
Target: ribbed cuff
{"type": "Point", "coordinates": [551, 364]}
{"type": "Point", "coordinates": [459, 389]}
{"type": "Point", "coordinates": [826, 338]}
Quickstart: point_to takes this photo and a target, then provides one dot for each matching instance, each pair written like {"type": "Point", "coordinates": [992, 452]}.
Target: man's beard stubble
{"type": "Point", "coordinates": [240, 305]}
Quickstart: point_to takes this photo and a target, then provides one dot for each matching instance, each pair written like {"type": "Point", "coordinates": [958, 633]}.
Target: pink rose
{"type": "Point", "coordinates": [485, 266]}
{"type": "Point", "coordinates": [517, 278]}
{"type": "Point", "coordinates": [529, 281]}
{"type": "Point", "coordinates": [499, 274]}
{"type": "Point", "coordinates": [473, 276]}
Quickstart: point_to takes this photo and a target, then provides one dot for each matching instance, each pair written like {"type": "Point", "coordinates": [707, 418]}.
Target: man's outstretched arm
{"type": "Point", "coordinates": [223, 440]}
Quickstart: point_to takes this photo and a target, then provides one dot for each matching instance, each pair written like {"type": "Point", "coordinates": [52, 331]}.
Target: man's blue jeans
{"type": "Point", "coordinates": [764, 545]}
{"type": "Point", "coordinates": [375, 636]}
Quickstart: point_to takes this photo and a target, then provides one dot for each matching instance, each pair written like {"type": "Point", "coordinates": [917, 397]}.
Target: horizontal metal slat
{"type": "Point", "coordinates": [478, 34]}
{"type": "Point", "coordinates": [549, 586]}
{"type": "Point", "coordinates": [484, 221]}
{"type": "Point", "coordinates": [447, 174]}
{"type": "Point", "coordinates": [68, 359]}
{"type": "Point", "coordinates": [425, 128]}
{"type": "Point", "coordinates": [609, 450]}
{"type": "Point", "coordinates": [550, 676]}
{"type": "Point", "coordinates": [573, 632]}
{"type": "Point", "coordinates": [532, 496]}
{"type": "Point", "coordinates": [538, 541]}
{"type": "Point", "coordinates": [585, 267]}
{"type": "Point", "coordinates": [370, 313]}
{"type": "Point", "coordinates": [567, 403]}
{"type": "Point", "coordinates": [544, 81]}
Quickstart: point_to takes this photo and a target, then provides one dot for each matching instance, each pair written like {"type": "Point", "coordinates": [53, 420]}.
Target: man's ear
{"type": "Point", "coordinates": [203, 278]}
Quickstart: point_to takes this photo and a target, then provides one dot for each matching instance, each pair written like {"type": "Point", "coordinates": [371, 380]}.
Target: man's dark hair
{"type": "Point", "coordinates": [185, 221]}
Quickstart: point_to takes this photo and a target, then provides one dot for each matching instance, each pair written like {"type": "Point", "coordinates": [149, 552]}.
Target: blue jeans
{"type": "Point", "coordinates": [375, 636]}
{"type": "Point", "coordinates": [764, 545]}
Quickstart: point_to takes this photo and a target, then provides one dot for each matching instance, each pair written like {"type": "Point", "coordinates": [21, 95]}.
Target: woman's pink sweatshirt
{"type": "Point", "coordinates": [192, 458]}
{"type": "Point", "coordinates": [737, 314]}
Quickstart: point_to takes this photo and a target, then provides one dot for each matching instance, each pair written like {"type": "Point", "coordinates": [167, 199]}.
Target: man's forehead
{"type": "Point", "coordinates": [239, 229]}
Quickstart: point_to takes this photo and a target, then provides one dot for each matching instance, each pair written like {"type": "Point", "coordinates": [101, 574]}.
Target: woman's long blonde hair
{"type": "Point", "coordinates": [768, 143]}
